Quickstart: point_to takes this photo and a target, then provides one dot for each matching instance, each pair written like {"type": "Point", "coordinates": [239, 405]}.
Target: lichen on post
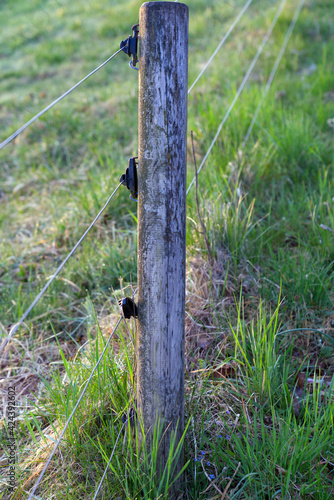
{"type": "Point", "coordinates": [163, 80]}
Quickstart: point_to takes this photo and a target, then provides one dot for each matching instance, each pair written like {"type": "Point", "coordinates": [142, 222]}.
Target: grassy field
{"type": "Point", "coordinates": [260, 317]}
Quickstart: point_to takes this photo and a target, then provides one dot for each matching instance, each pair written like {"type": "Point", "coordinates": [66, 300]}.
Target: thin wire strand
{"type": "Point", "coordinates": [111, 456]}
{"type": "Point", "coordinates": [53, 277]}
{"type": "Point", "coordinates": [72, 413]}
{"type": "Point", "coordinates": [274, 69]}
{"type": "Point", "coordinates": [241, 87]}
{"type": "Point", "coordinates": [26, 125]}
{"type": "Point", "coordinates": [221, 43]}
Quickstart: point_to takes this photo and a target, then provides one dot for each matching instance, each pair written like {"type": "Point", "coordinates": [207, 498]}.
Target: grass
{"type": "Point", "coordinates": [258, 317]}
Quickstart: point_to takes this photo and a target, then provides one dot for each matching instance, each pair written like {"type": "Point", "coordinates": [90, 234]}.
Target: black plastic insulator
{"type": "Point", "coordinates": [129, 308]}
{"type": "Point", "coordinates": [130, 45]}
{"type": "Point", "coordinates": [130, 179]}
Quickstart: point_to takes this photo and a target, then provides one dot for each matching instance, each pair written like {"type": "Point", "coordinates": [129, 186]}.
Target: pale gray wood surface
{"type": "Point", "coordinates": [163, 80]}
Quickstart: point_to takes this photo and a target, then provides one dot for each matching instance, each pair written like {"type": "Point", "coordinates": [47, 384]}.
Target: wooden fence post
{"type": "Point", "coordinates": [163, 79]}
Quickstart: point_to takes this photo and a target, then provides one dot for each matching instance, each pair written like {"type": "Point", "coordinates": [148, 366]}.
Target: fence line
{"type": "Point", "coordinates": [241, 87]}
{"type": "Point", "coordinates": [221, 43]}
{"type": "Point", "coordinates": [274, 69]}
{"type": "Point", "coordinates": [38, 115]}
{"type": "Point", "coordinates": [244, 81]}
{"type": "Point", "coordinates": [32, 120]}
{"type": "Point", "coordinates": [73, 412]}
{"type": "Point", "coordinates": [65, 94]}
{"type": "Point", "coordinates": [53, 277]}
